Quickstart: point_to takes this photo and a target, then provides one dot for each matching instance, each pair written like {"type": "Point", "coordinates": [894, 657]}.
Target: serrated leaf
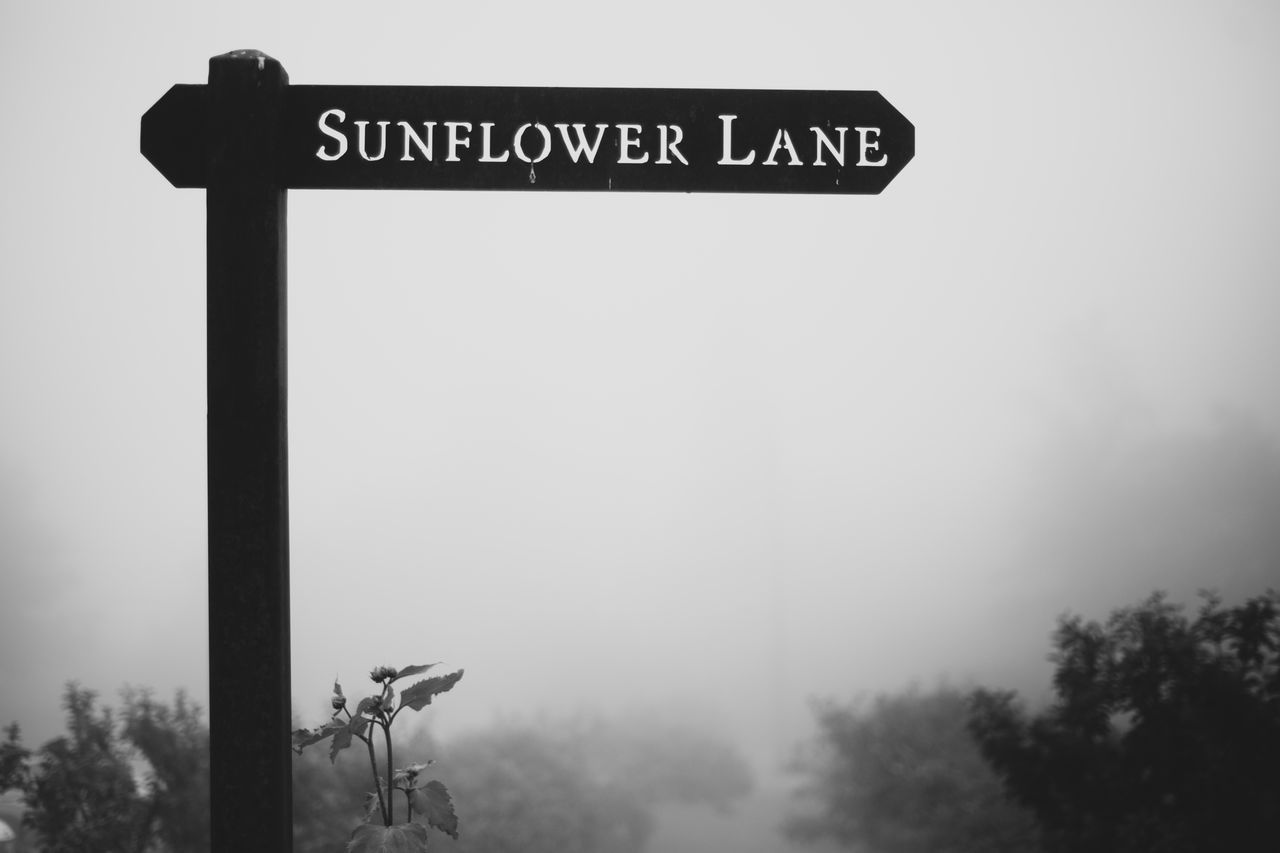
{"type": "Point", "coordinates": [416, 669]}
{"type": "Point", "coordinates": [401, 838]}
{"type": "Point", "coordinates": [419, 695]}
{"type": "Point", "coordinates": [303, 738]}
{"type": "Point", "coordinates": [372, 806]}
{"type": "Point", "coordinates": [341, 740]}
{"type": "Point", "coordinates": [433, 802]}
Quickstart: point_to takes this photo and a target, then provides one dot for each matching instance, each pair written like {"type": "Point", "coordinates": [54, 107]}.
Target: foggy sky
{"type": "Point", "coordinates": [701, 455]}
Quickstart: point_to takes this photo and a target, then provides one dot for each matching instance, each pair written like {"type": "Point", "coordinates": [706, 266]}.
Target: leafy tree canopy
{"type": "Point", "coordinates": [81, 794]}
{"type": "Point", "coordinates": [902, 775]}
{"type": "Point", "coordinates": [127, 783]}
{"type": "Point", "coordinates": [13, 759]}
{"type": "Point", "coordinates": [1164, 734]}
{"type": "Point", "coordinates": [585, 784]}
{"type": "Point", "coordinates": [174, 741]}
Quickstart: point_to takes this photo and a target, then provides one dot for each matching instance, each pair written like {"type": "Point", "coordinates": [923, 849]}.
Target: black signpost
{"type": "Point", "coordinates": [248, 136]}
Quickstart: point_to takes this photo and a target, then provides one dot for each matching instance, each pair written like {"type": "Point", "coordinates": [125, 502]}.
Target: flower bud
{"type": "Point", "coordinates": [380, 674]}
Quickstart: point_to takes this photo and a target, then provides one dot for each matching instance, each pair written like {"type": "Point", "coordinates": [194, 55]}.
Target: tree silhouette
{"type": "Point", "coordinates": [81, 794]}
{"type": "Point", "coordinates": [138, 781]}
{"type": "Point", "coordinates": [1165, 733]}
{"type": "Point", "coordinates": [904, 776]}
{"type": "Point", "coordinates": [13, 759]}
{"type": "Point", "coordinates": [174, 740]}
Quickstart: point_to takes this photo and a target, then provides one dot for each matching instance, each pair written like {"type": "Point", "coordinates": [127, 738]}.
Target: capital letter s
{"type": "Point", "coordinates": [332, 134]}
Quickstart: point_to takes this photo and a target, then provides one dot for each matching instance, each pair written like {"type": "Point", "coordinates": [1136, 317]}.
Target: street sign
{"type": "Point", "coordinates": [248, 136]}
{"type": "Point", "coordinates": [514, 138]}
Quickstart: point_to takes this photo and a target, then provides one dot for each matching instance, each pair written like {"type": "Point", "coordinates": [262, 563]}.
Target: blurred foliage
{"type": "Point", "coordinates": [903, 775]}
{"type": "Point", "coordinates": [128, 784]}
{"type": "Point", "coordinates": [1164, 736]}
{"type": "Point", "coordinates": [80, 795]}
{"type": "Point", "coordinates": [520, 789]}
{"type": "Point", "coordinates": [136, 781]}
{"type": "Point", "coordinates": [659, 762]}
{"type": "Point", "coordinates": [558, 786]}
{"type": "Point", "coordinates": [13, 759]}
{"type": "Point", "coordinates": [174, 741]}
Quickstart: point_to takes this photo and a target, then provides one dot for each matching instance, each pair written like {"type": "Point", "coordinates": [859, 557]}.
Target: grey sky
{"type": "Point", "coordinates": [705, 454]}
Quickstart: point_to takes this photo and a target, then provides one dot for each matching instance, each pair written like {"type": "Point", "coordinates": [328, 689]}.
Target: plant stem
{"type": "Point", "coordinates": [386, 730]}
{"type": "Point", "coordinates": [373, 762]}
{"type": "Point", "coordinates": [408, 798]}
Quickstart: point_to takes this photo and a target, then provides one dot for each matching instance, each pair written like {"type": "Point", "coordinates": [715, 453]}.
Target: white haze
{"type": "Point", "coordinates": [698, 456]}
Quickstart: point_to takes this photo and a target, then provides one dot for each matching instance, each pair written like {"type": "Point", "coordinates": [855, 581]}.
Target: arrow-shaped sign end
{"type": "Point", "coordinates": [173, 135]}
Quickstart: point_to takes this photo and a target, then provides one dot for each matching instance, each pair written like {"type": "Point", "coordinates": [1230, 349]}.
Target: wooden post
{"type": "Point", "coordinates": [249, 684]}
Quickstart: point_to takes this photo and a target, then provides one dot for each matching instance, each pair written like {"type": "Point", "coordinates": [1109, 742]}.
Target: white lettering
{"type": "Point", "coordinates": [361, 127]}
{"type": "Point", "coordinates": [626, 142]}
{"type": "Point", "coordinates": [666, 147]}
{"type": "Point", "coordinates": [783, 140]}
{"type": "Point", "coordinates": [486, 128]}
{"type": "Point", "coordinates": [821, 139]}
{"type": "Point", "coordinates": [576, 151]}
{"type": "Point", "coordinates": [519, 144]}
{"type": "Point", "coordinates": [410, 135]}
{"type": "Point", "coordinates": [332, 133]}
{"type": "Point", "coordinates": [456, 141]}
{"type": "Point", "coordinates": [726, 148]}
{"type": "Point", "coordinates": [865, 144]}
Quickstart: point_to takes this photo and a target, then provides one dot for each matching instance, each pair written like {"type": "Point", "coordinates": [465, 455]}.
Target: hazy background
{"type": "Point", "coordinates": [698, 457]}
